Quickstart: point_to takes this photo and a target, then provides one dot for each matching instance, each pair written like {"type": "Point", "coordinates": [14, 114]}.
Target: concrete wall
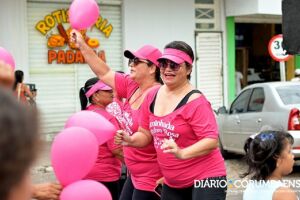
{"type": "Point", "coordinates": [13, 36]}
{"type": "Point", "coordinates": [272, 7]}
{"type": "Point", "coordinates": [250, 7]}
{"type": "Point", "coordinates": [158, 22]}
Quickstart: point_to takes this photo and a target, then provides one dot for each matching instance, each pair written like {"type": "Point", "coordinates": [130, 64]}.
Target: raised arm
{"type": "Point", "coordinates": [27, 91]}
{"type": "Point", "coordinates": [98, 66]}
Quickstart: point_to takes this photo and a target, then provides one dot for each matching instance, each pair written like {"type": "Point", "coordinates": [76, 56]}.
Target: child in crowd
{"type": "Point", "coordinates": [269, 157]}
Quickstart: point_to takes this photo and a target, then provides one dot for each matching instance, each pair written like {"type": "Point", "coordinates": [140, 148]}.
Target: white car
{"type": "Point", "coordinates": [273, 104]}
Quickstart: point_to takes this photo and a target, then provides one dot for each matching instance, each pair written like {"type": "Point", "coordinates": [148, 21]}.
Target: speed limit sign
{"type": "Point", "coordinates": [275, 49]}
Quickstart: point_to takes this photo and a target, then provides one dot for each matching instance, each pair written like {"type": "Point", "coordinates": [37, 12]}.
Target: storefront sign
{"type": "Point", "coordinates": [275, 49]}
{"type": "Point", "coordinates": [61, 50]}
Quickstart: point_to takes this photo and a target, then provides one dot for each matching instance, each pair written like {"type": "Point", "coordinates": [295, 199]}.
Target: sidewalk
{"type": "Point", "coordinates": [42, 171]}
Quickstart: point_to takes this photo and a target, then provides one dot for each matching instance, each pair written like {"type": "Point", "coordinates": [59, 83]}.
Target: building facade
{"type": "Point", "coordinates": [226, 35]}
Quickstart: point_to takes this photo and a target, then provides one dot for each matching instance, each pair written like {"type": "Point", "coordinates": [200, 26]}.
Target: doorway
{"type": "Point", "coordinates": [252, 57]}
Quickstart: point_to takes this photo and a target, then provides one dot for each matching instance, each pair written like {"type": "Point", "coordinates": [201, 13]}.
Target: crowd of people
{"type": "Point", "coordinates": [167, 133]}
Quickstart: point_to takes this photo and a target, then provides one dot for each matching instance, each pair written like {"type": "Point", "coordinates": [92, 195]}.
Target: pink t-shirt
{"type": "Point", "coordinates": [141, 162]}
{"type": "Point", "coordinates": [187, 125]}
{"type": "Point", "coordinates": [115, 109]}
{"type": "Point", "coordinates": [107, 167]}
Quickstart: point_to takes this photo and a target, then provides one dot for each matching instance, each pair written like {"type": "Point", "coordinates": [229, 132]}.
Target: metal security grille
{"type": "Point", "coordinates": [209, 67]}
{"type": "Point", "coordinates": [58, 84]}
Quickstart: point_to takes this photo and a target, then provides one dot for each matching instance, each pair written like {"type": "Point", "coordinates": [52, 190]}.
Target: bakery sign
{"type": "Point", "coordinates": [56, 28]}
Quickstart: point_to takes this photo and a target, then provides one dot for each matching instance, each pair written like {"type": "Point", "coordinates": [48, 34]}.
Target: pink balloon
{"type": "Point", "coordinates": [85, 190]}
{"type": "Point", "coordinates": [74, 152]}
{"type": "Point", "coordinates": [7, 57]}
{"type": "Point", "coordinates": [83, 14]}
{"type": "Point", "coordinates": [103, 129]}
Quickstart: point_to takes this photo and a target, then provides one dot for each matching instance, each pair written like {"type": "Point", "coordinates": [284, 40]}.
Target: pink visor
{"type": "Point", "coordinates": [176, 56]}
{"type": "Point", "coordinates": [96, 87]}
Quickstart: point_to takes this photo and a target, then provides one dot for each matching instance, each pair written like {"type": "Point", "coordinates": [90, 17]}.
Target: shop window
{"type": "Point", "coordinates": [204, 26]}
{"type": "Point", "coordinates": [205, 1]}
{"type": "Point", "coordinates": [204, 13]}
{"type": "Point", "coordinates": [207, 15]}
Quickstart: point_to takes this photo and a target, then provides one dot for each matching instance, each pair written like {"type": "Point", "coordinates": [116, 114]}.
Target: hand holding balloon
{"type": "Point", "coordinates": [76, 38]}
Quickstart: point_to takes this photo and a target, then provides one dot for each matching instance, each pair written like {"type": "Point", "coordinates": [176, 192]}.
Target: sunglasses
{"type": "Point", "coordinates": [135, 61]}
{"type": "Point", "coordinates": [173, 66]}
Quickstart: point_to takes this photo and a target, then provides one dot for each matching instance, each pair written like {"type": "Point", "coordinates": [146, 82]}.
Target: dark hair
{"type": "Point", "coordinates": [19, 76]}
{"type": "Point", "coordinates": [83, 99]}
{"type": "Point", "coordinates": [157, 72]}
{"type": "Point", "coordinates": [182, 46]}
{"type": "Point", "coordinates": [263, 151]}
{"type": "Point", "coordinates": [19, 141]}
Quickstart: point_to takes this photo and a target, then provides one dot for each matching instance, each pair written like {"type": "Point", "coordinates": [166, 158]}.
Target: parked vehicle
{"type": "Point", "coordinates": [273, 104]}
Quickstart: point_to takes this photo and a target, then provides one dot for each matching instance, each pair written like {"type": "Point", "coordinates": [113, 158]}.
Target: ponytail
{"type": "Point", "coordinates": [83, 99]}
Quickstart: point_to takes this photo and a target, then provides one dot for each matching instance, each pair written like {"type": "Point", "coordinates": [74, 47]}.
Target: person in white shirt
{"type": "Point", "coordinates": [297, 76]}
{"type": "Point", "coordinates": [238, 82]}
{"type": "Point", "coordinates": [269, 157]}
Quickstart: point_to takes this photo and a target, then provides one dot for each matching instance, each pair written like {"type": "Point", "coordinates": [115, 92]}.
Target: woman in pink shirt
{"type": "Point", "coordinates": [180, 121]}
{"type": "Point", "coordinates": [144, 75]}
{"type": "Point", "coordinates": [107, 169]}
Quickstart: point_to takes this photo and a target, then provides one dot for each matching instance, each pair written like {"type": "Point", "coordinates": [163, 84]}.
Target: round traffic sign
{"type": "Point", "coordinates": [275, 49]}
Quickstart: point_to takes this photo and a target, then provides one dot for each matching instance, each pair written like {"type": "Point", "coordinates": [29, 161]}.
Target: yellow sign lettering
{"type": "Point", "coordinates": [56, 14]}
{"type": "Point", "coordinates": [107, 31]}
{"type": "Point", "coordinates": [50, 21]}
{"type": "Point", "coordinates": [42, 27]}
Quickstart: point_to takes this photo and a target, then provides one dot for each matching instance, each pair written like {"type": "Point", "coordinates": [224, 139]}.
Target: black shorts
{"type": "Point", "coordinates": [207, 192]}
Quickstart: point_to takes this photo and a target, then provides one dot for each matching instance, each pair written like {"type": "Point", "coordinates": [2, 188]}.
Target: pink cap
{"type": "Point", "coordinates": [147, 52]}
{"type": "Point", "coordinates": [176, 56]}
{"type": "Point", "coordinates": [96, 87]}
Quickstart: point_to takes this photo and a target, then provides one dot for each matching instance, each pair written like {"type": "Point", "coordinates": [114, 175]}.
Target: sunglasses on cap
{"type": "Point", "coordinates": [163, 64]}
{"type": "Point", "coordinates": [135, 61]}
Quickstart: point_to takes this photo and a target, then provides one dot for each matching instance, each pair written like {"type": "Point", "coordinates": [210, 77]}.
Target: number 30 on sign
{"type": "Point", "coordinates": [275, 49]}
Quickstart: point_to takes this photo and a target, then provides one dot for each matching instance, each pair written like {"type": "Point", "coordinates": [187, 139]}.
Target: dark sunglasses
{"type": "Point", "coordinates": [135, 61]}
{"type": "Point", "coordinates": [165, 63]}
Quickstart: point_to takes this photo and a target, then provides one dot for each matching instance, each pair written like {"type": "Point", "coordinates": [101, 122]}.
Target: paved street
{"type": "Point", "coordinates": [42, 172]}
